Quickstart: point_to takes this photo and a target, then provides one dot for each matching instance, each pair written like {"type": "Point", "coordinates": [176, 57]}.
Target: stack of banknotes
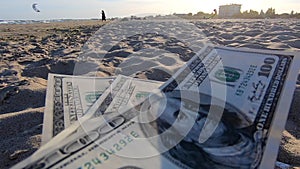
{"type": "Point", "coordinates": [225, 108]}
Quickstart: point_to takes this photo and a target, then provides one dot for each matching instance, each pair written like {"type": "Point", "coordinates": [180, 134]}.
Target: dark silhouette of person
{"type": "Point", "coordinates": [103, 16]}
{"type": "Point", "coordinates": [215, 12]}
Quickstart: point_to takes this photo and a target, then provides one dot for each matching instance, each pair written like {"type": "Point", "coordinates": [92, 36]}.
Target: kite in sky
{"type": "Point", "coordinates": [34, 7]}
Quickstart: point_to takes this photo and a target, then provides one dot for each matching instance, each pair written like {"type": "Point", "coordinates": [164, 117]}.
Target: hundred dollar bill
{"type": "Point", "coordinates": [123, 92]}
{"type": "Point", "coordinates": [226, 108]}
{"type": "Point", "coordinates": [68, 98]}
{"type": "Point", "coordinates": [244, 98]}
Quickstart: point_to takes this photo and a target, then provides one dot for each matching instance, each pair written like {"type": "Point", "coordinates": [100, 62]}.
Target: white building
{"type": "Point", "coordinates": [227, 11]}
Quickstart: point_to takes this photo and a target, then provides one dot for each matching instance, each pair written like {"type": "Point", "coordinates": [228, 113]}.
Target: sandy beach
{"type": "Point", "coordinates": [29, 52]}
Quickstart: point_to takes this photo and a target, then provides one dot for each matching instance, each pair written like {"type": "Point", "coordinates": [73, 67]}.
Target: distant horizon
{"type": "Point", "coordinates": [98, 18]}
{"type": "Point", "coordinates": [90, 9]}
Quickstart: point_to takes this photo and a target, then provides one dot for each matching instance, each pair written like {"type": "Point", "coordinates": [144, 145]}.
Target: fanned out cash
{"type": "Point", "coordinates": [68, 98]}
{"type": "Point", "coordinates": [225, 108]}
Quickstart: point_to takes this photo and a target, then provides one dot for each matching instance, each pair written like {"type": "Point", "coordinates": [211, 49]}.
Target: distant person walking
{"type": "Point", "coordinates": [103, 16]}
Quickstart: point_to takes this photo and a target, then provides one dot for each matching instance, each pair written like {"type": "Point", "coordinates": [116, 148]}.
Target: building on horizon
{"type": "Point", "coordinates": [228, 11]}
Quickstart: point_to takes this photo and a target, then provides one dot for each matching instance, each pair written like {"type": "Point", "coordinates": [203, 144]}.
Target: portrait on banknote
{"type": "Point", "coordinates": [231, 144]}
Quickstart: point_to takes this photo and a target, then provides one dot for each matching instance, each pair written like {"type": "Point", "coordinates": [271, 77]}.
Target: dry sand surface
{"type": "Point", "coordinates": [29, 52]}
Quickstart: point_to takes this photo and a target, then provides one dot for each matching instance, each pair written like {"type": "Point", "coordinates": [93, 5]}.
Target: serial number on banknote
{"type": "Point", "coordinates": [241, 88]}
{"type": "Point", "coordinates": [117, 146]}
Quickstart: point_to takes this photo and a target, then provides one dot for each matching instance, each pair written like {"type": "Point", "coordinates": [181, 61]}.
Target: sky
{"type": "Point", "coordinates": [87, 9]}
